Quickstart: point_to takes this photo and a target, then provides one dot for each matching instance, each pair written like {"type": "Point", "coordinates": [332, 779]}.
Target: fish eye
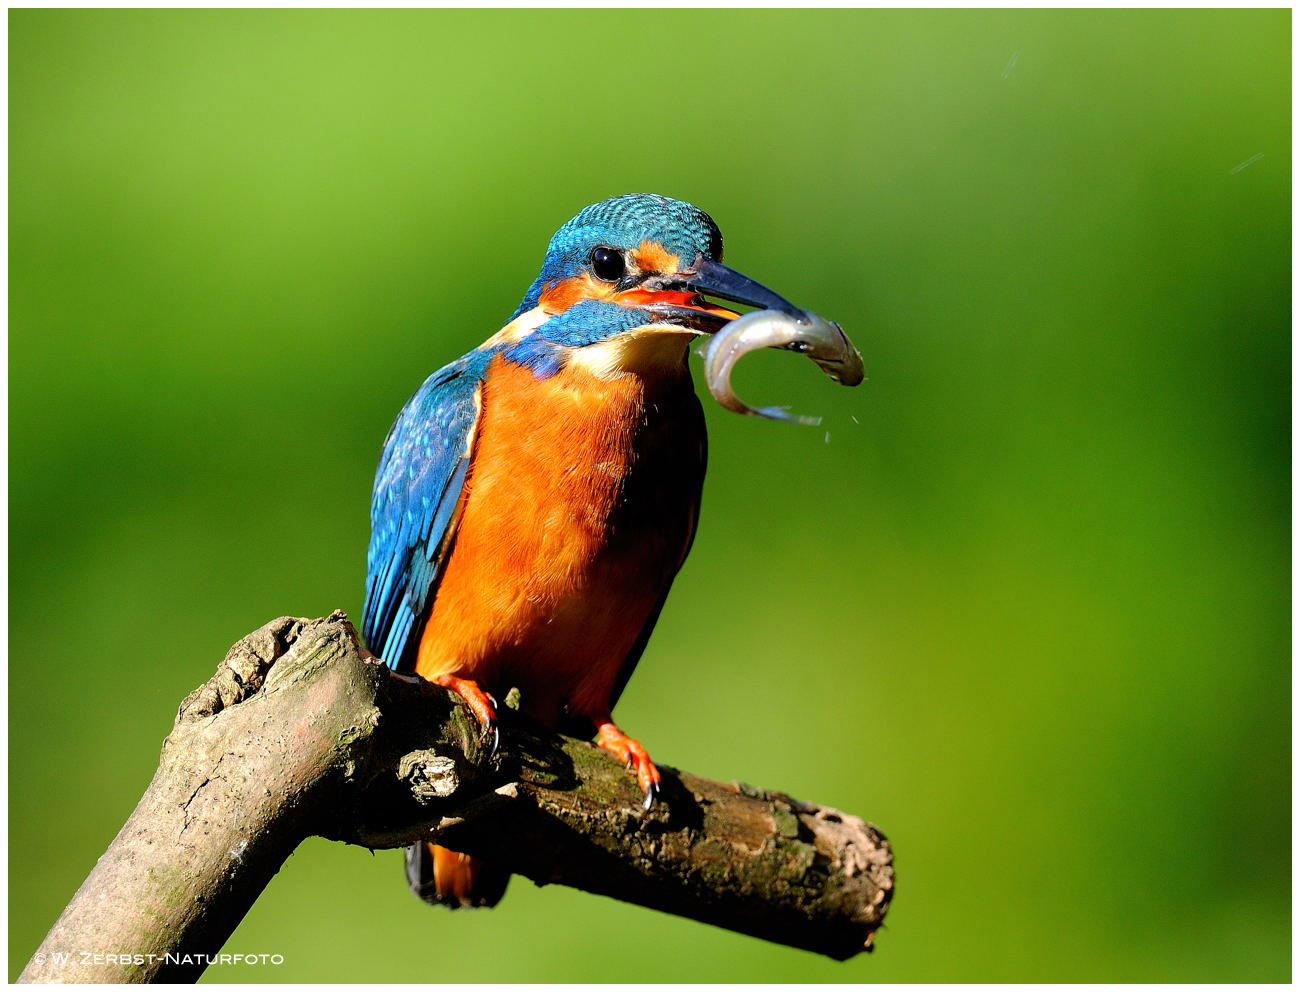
{"type": "Point", "coordinates": [608, 264]}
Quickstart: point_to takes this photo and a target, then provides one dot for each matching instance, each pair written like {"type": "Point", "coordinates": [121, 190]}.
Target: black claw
{"type": "Point", "coordinates": [492, 729]}
{"type": "Point", "coordinates": [651, 794]}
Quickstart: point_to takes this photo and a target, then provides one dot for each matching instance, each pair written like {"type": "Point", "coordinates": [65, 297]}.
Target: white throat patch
{"type": "Point", "coordinates": [639, 351]}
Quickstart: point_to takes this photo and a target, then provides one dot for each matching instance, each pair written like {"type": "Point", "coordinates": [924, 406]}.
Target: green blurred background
{"type": "Point", "coordinates": [1022, 600]}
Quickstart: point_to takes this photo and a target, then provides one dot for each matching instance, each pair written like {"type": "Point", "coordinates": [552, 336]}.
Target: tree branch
{"type": "Point", "coordinates": [297, 735]}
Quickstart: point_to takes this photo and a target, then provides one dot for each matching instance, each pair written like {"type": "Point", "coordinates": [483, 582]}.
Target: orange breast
{"type": "Point", "coordinates": [582, 498]}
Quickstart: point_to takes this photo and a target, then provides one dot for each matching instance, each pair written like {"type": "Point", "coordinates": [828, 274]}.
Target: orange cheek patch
{"type": "Point", "coordinates": [650, 256]}
{"type": "Point", "coordinates": [558, 296]}
{"type": "Point", "coordinates": [653, 257]}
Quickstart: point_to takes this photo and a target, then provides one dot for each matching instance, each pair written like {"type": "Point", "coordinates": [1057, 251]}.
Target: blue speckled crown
{"type": "Point", "coordinates": [681, 227]}
{"type": "Point", "coordinates": [624, 222]}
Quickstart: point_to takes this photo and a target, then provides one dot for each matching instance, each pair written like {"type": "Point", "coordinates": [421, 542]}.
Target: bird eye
{"type": "Point", "coordinates": [608, 264]}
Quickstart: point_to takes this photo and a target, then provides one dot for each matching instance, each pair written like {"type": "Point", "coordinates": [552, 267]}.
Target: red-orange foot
{"type": "Point", "coordinates": [480, 703]}
{"type": "Point", "coordinates": [632, 754]}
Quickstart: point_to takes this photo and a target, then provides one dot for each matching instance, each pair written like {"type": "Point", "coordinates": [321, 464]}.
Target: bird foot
{"type": "Point", "coordinates": [480, 703]}
{"type": "Point", "coordinates": [632, 754]}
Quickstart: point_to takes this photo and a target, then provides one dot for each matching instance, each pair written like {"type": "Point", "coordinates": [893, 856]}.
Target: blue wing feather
{"type": "Point", "coordinates": [418, 489]}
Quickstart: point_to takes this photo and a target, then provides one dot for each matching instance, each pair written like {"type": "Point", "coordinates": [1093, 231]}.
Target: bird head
{"type": "Point", "coordinates": [629, 279]}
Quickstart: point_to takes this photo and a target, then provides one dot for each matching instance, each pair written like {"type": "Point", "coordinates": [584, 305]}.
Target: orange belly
{"type": "Point", "coordinates": [581, 503]}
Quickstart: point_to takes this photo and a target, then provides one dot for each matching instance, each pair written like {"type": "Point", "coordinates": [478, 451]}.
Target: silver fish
{"type": "Point", "coordinates": [803, 332]}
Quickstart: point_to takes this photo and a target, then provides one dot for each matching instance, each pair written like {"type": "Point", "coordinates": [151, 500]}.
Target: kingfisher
{"type": "Point", "coordinates": [536, 497]}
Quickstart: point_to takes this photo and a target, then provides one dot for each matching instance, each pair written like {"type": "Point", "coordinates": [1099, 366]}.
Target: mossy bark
{"type": "Point", "coordinates": [298, 735]}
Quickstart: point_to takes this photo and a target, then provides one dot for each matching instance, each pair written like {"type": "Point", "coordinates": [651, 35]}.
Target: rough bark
{"type": "Point", "coordinates": [298, 735]}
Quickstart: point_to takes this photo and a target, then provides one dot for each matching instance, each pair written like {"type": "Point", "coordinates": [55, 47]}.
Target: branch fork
{"type": "Point", "coordinates": [301, 733]}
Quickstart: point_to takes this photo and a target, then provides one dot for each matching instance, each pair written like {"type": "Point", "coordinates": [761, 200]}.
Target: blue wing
{"type": "Point", "coordinates": [415, 509]}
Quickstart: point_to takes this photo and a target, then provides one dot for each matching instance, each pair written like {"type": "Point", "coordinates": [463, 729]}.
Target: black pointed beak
{"type": "Point", "coordinates": [679, 297]}
{"type": "Point", "coordinates": [707, 278]}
